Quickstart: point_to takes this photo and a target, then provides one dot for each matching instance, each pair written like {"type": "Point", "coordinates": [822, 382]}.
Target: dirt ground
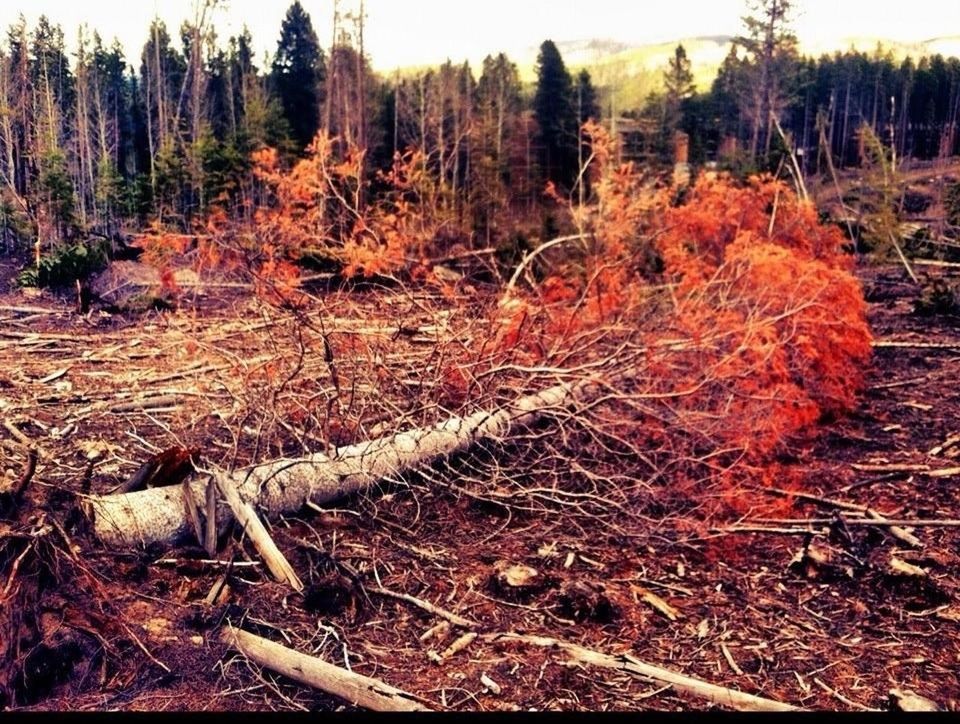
{"type": "Point", "coordinates": [807, 609]}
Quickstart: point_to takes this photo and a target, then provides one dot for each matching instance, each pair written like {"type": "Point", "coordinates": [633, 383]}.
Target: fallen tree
{"type": "Point", "coordinates": [285, 486]}
{"type": "Point", "coordinates": [761, 333]}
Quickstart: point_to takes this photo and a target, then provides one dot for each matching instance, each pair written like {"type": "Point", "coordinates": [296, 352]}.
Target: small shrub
{"type": "Point", "coordinates": [65, 265]}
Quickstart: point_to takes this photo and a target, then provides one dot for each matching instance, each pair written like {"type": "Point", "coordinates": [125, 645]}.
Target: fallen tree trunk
{"type": "Point", "coordinates": [285, 486]}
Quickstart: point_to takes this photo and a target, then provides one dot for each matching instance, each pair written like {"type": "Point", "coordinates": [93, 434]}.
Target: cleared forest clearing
{"type": "Point", "coordinates": [826, 599]}
{"type": "Point", "coordinates": [324, 388]}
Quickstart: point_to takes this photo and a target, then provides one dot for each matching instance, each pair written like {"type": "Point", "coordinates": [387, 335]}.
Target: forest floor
{"type": "Point", "coordinates": [823, 615]}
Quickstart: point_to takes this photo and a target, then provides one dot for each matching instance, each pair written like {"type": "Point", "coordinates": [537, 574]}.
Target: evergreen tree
{"type": "Point", "coordinates": [678, 81]}
{"type": "Point", "coordinates": [54, 89]}
{"type": "Point", "coordinates": [555, 111]}
{"type": "Point", "coordinates": [498, 108]}
{"type": "Point", "coordinates": [586, 98]}
{"type": "Point", "coordinates": [725, 93]}
{"type": "Point", "coordinates": [678, 90]}
{"type": "Point", "coordinates": [495, 124]}
{"type": "Point", "coordinates": [298, 75]}
{"type": "Point", "coordinates": [18, 116]}
{"type": "Point", "coordinates": [258, 116]}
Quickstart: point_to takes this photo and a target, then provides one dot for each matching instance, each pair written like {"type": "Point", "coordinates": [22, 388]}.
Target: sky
{"type": "Point", "coordinates": [420, 32]}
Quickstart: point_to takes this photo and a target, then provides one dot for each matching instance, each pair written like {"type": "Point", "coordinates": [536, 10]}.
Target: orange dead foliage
{"type": "Point", "coordinates": [317, 207]}
{"type": "Point", "coordinates": [769, 292]}
{"type": "Point", "coordinates": [764, 332]}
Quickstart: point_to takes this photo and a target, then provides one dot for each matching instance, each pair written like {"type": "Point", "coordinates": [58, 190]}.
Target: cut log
{"type": "Point", "coordinates": [285, 486]}
{"type": "Point", "coordinates": [356, 689]}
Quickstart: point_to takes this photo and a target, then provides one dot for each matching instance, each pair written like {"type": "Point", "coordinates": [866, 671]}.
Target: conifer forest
{"type": "Point", "coordinates": [582, 386]}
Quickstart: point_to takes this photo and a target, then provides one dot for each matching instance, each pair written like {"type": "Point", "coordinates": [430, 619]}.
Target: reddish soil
{"type": "Point", "coordinates": [831, 619]}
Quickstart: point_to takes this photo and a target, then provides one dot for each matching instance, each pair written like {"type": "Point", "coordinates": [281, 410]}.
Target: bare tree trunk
{"type": "Point", "coordinates": [361, 104]}
{"type": "Point", "coordinates": [285, 486]}
{"type": "Point", "coordinates": [396, 112]}
{"type": "Point", "coordinates": [6, 128]}
{"type": "Point", "coordinates": [806, 133]}
{"type": "Point", "coordinates": [332, 70]}
{"type": "Point", "coordinates": [160, 94]}
{"type": "Point", "coordinates": [904, 118]}
{"type": "Point", "coordinates": [441, 96]}
{"type": "Point", "coordinates": [356, 689]}
{"type": "Point", "coordinates": [361, 83]}
{"type": "Point", "coordinates": [529, 159]}
{"type": "Point", "coordinates": [467, 136]}
{"type": "Point", "coordinates": [423, 119]}
{"type": "Point", "coordinates": [86, 182]}
{"type": "Point", "coordinates": [846, 121]}
{"type": "Point", "coordinates": [831, 113]}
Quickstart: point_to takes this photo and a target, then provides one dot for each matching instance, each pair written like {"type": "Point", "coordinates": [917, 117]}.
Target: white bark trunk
{"type": "Point", "coordinates": [284, 486]}
{"type": "Point", "coordinates": [356, 689]}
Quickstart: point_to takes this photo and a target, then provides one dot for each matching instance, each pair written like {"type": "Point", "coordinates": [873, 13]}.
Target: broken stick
{"type": "Point", "coordinates": [426, 606]}
{"type": "Point", "coordinates": [247, 517]}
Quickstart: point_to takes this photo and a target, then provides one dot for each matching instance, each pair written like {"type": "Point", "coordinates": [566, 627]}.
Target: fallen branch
{"type": "Point", "coordinates": [881, 521]}
{"type": "Point", "coordinates": [29, 310]}
{"type": "Point", "coordinates": [457, 646]}
{"type": "Point", "coordinates": [153, 403]}
{"type": "Point", "coordinates": [357, 689]}
{"type": "Point", "coordinates": [768, 530]}
{"type": "Point", "coordinates": [18, 436]}
{"type": "Point", "coordinates": [944, 473]}
{"type": "Point", "coordinates": [285, 486]}
{"type": "Point", "coordinates": [623, 662]}
{"type": "Point", "coordinates": [27, 475]}
{"type": "Point", "coordinates": [891, 468]}
{"type": "Point", "coordinates": [935, 263]}
{"type": "Point", "coordinates": [247, 517]}
{"type": "Point", "coordinates": [426, 606]}
{"type": "Point", "coordinates": [842, 698]}
{"type": "Point", "coordinates": [903, 258]}
{"type": "Point", "coordinates": [891, 344]}
{"type": "Point", "coordinates": [530, 256]}
{"type": "Point", "coordinates": [795, 170]}
{"type": "Point", "coordinates": [868, 522]}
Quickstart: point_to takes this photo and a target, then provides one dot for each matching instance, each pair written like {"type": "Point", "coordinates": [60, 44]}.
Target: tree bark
{"type": "Point", "coordinates": [356, 689]}
{"type": "Point", "coordinates": [284, 486]}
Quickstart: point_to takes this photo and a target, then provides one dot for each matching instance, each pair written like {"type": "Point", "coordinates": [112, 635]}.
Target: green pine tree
{"type": "Point", "coordinates": [298, 74]}
{"type": "Point", "coordinates": [555, 111]}
{"type": "Point", "coordinates": [678, 83]}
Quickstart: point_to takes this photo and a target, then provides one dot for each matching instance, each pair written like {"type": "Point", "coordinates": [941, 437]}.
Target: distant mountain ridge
{"type": "Point", "coordinates": [636, 69]}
